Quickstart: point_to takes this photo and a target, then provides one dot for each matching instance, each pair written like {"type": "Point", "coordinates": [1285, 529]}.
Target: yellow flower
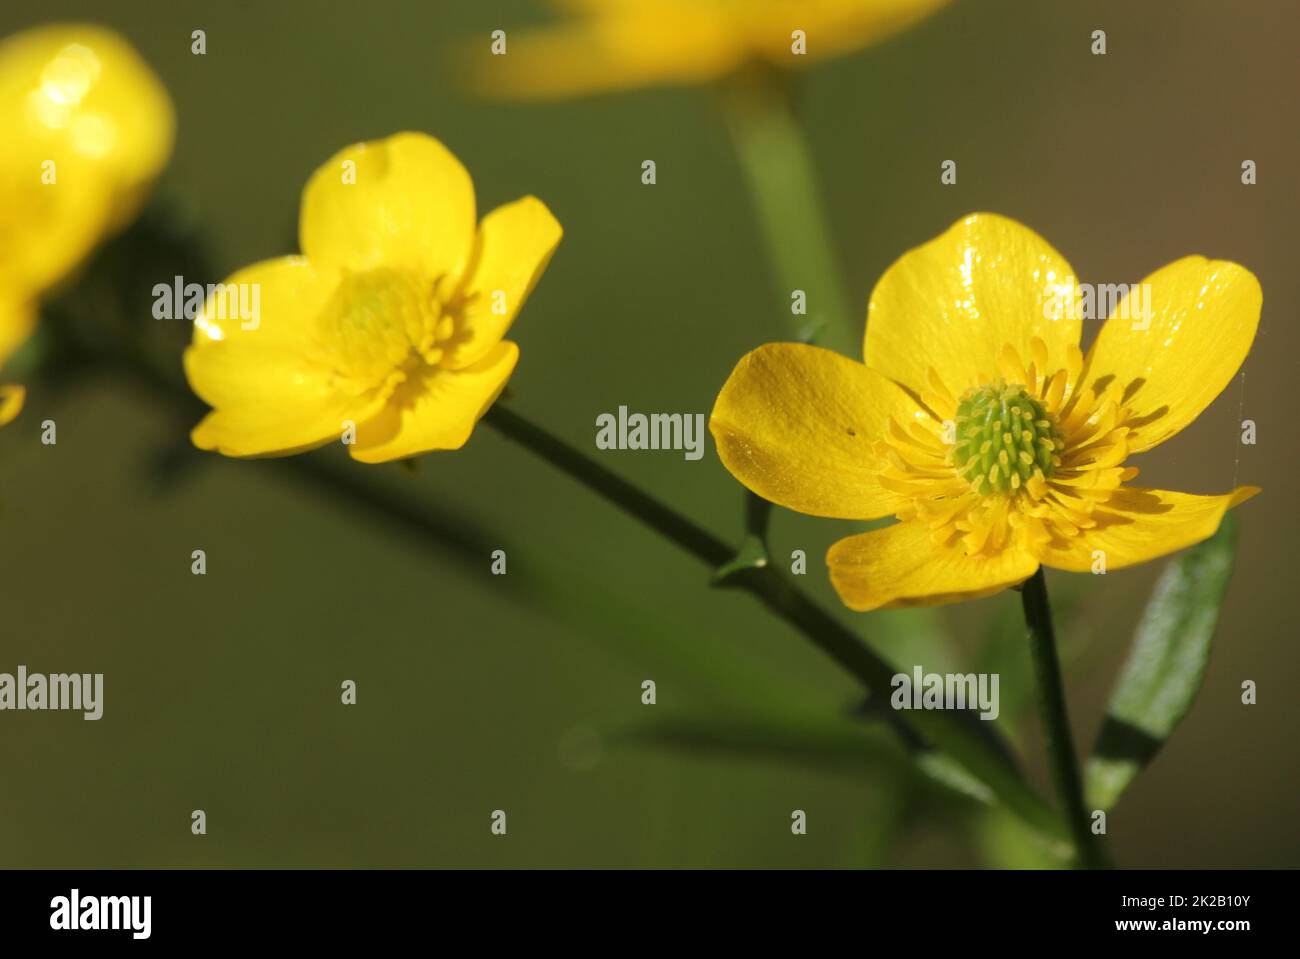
{"type": "Point", "coordinates": [87, 129]}
{"type": "Point", "coordinates": [624, 44]}
{"type": "Point", "coordinates": [391, 322]}
{"type": "Point", "coordinates": [977, 421]}
{"type": "Point", "coordinates": [11, 402]}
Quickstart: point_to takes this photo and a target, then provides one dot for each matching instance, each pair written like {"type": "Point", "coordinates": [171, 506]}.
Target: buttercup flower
{"type": "Point", "coordinates": [87, 128]}
{"type": "Point", "coordinates": [977, 421]}
{"type": "Point", "coordinates": [623, 44]}
{"type": "Point", "coordinates": [11, 403]}
{"type": "Point", "coordinates": [391, 322]}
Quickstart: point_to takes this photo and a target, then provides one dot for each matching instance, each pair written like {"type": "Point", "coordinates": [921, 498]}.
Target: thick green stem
{"type": "Point", "coordinates": [1056, 721]}
{"type": "Point", "coordinates": [964, 744]}
{"type": "Point", "coordinates": [782, 180]}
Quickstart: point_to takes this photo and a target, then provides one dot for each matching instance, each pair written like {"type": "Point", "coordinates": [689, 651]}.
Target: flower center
{"type": "Point", "coordinates": [378, 322]}
{"type": "Point", "coordinates": [1003, 438]}
{"type": "Point", "coordinates": [1024, 466]}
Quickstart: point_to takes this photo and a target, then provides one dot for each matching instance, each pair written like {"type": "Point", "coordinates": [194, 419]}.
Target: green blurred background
{"type": "Point", "coordinates": [222, 691]}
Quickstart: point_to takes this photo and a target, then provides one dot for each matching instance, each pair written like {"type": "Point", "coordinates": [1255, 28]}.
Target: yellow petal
{"type": "Point", "coordinates": [77, 92]}
{"type": "Point", "coordinates": [627, 47]}
{"type": "Point", "coordinates": [837, 27]}
{"type": "Point", "coordinates": [1137, 525]}
{"type": "Point", "coordinates": [437, 410]}
{"type": "Point", "coordinates": [797, 425]}
{"type": "Point", "coordinates": [271, 429]}
{"type": "Point", "coordinates": [411, 206]}
{"type": "Point", "coordinates": [623, 44]}
{"type": "Point", "coordinates": [47, 229]}
{"type": "Point", "coordinates": [515, 243]}
{"type": "Point", "coordinates": [17, 320]}
{"type": "Point", "coordinates": [901, 566]}
{"type": "Point", "coordinates": [274, 390]}
{"type": "Point", "coordinates": [1171, 364]}
{"type": "Point", "coordinates": [87, 128]}
{"type": "Point", "coordinates": [952, 304]}
{"type": "Point", "coordinates": [830, 28]}
{"type": "Point", "coordinates": [11, 402]}
{"type": "Point", "coordinates": [237, 361]}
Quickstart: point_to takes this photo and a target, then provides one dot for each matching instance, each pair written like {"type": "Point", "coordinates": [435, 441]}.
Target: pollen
{"type": "Point", "coordinates": [379, 322]}
{"type": "Point", "coordinates": [1004, 439]}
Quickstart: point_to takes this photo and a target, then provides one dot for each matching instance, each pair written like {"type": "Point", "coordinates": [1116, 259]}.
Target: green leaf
{"type": "Point", "coordinates": [1004, 841]}
{"type": "Point", "coordinates": [1165, 670]}
{"type": "Point", "coordinates": [751, 555]}
{"type": "Point", "coordinates": [753, 549]}
{"type": "Point", "coordinates": [813, 741]}
{"type": "Point", "coordinates": [844, 744]}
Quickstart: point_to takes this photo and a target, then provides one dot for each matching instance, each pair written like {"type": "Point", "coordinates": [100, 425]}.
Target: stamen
{"type": "Point", "coordinates": [1009, 477]}
{"type": "Point", "coordinates": [378, 322]}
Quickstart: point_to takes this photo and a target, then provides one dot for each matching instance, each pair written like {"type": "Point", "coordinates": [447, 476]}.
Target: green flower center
{"type": "Point", "coordinates": [1003, 438]}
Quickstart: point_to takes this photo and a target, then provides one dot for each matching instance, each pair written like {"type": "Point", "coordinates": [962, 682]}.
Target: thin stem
{"type": "Point", "coordinates": [782, 179]}
{"type": "Point", "coordinates": [686, 534]}
{"type": "Point", "coordinates": [1056, 722]}
{"type": "Point", "coordinates": [777, 160]}
{"type": "Point", "coordinates": [974, 751]}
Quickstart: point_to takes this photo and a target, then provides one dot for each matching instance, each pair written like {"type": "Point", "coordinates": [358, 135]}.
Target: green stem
{"type": "Point", "coordinates": [782, 180]}
{"type": "Point", "coordinates": [974, 751]}
{"type": "Point", "coordinates": [670, 524]}
{"type": "Point", "coordinates": [1056, 721]}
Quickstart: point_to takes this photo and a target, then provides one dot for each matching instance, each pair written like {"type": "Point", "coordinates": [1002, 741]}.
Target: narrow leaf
{"type": "Point", "coordinates": [1165, 670]}
{"type": "Point", "coordinates": [751, 555]}
{"type": "Point", "coordinates": [753, 550]}
{"type": "Point", "coordinates": [841, 744]}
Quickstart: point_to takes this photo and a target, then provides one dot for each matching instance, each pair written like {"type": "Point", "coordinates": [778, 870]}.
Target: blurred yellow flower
{"type": "Point", "coordinates": [977, 421]}
{"type": "Point", "coordinates": [11, 402]}
{"type": "Point", "coordinates": [624, 44]}
{"type": "Point", "coordinates": [87, 128]}
{"type": "Point", "coordinates": [387, 331]}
